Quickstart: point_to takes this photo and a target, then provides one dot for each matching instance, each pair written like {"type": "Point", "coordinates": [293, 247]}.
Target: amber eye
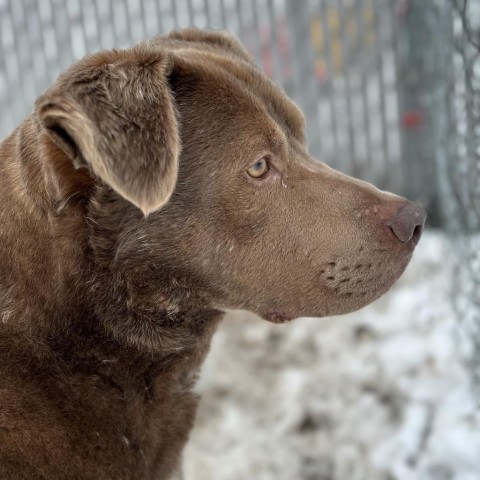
{"type": "Point", "coordinates": [258, 169]}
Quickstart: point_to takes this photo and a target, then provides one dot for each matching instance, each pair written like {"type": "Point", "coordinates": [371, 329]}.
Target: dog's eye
{"type": "Point", "coordinates": [258, 169]}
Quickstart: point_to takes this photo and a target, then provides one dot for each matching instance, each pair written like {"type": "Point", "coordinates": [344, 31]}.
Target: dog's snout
{"type": "Point", "coordinates": [407, 222]}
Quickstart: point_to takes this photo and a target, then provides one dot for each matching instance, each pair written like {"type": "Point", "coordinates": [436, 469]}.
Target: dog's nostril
{"type": "Point", "coordinates": [407, 222]}
{"type": "Point", "coordinates": [417, 233]}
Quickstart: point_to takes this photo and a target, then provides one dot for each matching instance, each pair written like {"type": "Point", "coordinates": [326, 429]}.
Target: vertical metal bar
{"type": "Point", "coordinates": [258, 39]}
{"type": "Point", "coordinates": [241, 26]}
{"type": "Point", "coordinates": [348, 90]}
{"type": "Point", "coordinates": [18, 54]}
{"type": "Point", "coordinates": [62, 35]}
{"type": "Point", "coordinates": [33, 28]}
{"type": "Point", "coordinates": [399, 171]}
{"type": "Point", "coordinates": [89, 41]}
{"type": "Point", "coordinates": [361, 40]}
{"type": "Point", "coordinates": [4, 18]}
{"type": "Point", "coordinates": [113, 18]}
{"type": "Point", "coordinates": [135, 31]}
{"type": "Point", "coordinates": [191, 13]}
{"type": "Point", "coordinates": [143, 19]}
{"type": "Point", "coordinates": [303, 59]}
{"type": "Point", "coordinates": [379, 67]}
{"type": "Point", "coordinates": [45, 16]}
{"type": "Point", "coordinates": [173, 5]}
{"type": "Point", "coordinates": [276, 53]}
{"type": "Point", "coordinates": [128, 22]}
{"type": "Point", "coordinates": [469, 183]}
{"type": "Point", "coordinates": [208, 13]}
{"type": "Point", "coordinates": [446, 150]}
{"type": "Point", "coordinates": [471, 43]}
{"type": "Point", "coordinates": [101, 32]}
{"type": "Point", "coordinates": [159, 15]}
{"type": "Point", "coordinates": [330, 72]}
{"type": "Point", "coordinates": [223, 14]}
{"type": "Point", "coordinates": [26, 18]}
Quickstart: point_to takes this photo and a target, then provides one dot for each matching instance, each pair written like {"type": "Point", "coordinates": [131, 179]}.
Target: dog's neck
{"type": "Point", "coordinates": [45, 279]}
{"type": "Point", "coordinates": [88, 349]}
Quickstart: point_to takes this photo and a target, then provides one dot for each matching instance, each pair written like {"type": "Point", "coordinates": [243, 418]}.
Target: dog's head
{"type": "Point", "coordinates": [199, 189]}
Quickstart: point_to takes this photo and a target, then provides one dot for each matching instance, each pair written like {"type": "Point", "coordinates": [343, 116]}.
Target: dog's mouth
{"type": "Point", "coordinates": [279, 317]}
{"type": "Point", "coordinates": [346, 286]}
{"type": "Point", "coordinates": [372, 272]}
{"type": "Point", "coordinates": [356, 284]}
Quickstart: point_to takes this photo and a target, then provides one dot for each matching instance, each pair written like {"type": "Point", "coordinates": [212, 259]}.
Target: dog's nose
{"type": "Point", "coordinates": [407, 222]}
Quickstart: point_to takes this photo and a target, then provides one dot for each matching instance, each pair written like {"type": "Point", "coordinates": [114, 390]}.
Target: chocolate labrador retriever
{"type": "Point", "coordinates": [151, 190]}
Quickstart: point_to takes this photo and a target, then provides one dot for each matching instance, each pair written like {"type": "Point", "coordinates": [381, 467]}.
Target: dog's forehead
{"type": "Point", "coordinates": [218, 65]}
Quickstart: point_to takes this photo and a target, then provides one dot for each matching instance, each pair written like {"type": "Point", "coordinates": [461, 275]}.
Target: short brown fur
{"type": "Point", "coordinates": [129, 225]}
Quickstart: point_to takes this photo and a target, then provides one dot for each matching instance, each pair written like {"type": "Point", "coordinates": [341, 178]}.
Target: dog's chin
{"type": "Point", "coordinates": [343, 299]}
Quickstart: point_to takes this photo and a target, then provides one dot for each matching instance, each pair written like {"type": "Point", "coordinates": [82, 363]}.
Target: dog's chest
{"type": "Point", "coordinates": [90, 413]}
{"type": "Point", "coordinates": [134, 418]}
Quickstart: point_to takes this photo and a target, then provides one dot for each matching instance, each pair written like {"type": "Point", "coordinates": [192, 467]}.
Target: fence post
{"type": "Point", "coordinates": [298, 20]}
{"type": "Point", "coordinates": [424, 63]}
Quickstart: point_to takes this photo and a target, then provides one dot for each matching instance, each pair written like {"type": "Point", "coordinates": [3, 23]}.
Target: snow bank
{"type": "Point", "coordinates": [381, 394]}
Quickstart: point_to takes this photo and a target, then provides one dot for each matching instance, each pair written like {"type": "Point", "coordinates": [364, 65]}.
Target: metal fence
{"type": "Point", "coordinates": [462, 172]}
{"type": "Point", "coordinates": [335, 58]}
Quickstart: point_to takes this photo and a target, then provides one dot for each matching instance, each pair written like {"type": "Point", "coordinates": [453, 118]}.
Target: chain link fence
{"type": "Point", "coordinates": [462, 175]}
{"type": "Point", "coordinates": [464, 171]}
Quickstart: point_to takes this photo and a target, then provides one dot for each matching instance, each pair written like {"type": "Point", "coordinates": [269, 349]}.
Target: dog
{"type": "Point", "coordinates": [151, 190]}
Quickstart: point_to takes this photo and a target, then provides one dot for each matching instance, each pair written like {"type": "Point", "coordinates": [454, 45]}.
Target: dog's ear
{"type": "Point", "coordinates": [114, 114]}
{"type": "Point", "coordinates": [217, 39]}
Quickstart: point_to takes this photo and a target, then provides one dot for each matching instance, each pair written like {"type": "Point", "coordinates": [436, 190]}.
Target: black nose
{"type": "Point", "coordinates": [407, 222]}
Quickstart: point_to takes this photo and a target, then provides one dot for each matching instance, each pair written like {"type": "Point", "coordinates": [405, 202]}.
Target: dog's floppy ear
{"type": "Point", "coordinates": [221, 39]}
{"type": "Point", "coordinates": [114, 114]}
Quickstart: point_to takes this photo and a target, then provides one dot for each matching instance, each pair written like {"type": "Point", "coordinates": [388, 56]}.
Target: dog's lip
{"type": "Point", "coordinates": [276, 316]}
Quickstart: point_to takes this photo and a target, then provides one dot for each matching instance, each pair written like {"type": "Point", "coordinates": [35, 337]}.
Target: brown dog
{"type": "Point", "coordinates": [151, 190]}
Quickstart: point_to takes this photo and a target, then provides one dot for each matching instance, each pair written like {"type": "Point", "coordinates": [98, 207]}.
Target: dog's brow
{"type": "Point", "coordinates": [278, 141]}
{"type": "Point", "coordinates": [290, 114]}
{"type": "Point", "coordinates": [285, 111]}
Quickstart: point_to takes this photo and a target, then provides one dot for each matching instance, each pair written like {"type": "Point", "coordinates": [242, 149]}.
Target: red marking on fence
{"type": "Point", "coordinates": [413, 120]}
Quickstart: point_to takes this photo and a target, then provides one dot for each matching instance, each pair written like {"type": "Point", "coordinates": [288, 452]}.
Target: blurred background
{"type": "Point", "coordinates": [391, 92]}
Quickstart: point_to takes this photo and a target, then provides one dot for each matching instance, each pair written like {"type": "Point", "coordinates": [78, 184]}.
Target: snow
{"type": "Point", "coordinates": [380, 394]}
